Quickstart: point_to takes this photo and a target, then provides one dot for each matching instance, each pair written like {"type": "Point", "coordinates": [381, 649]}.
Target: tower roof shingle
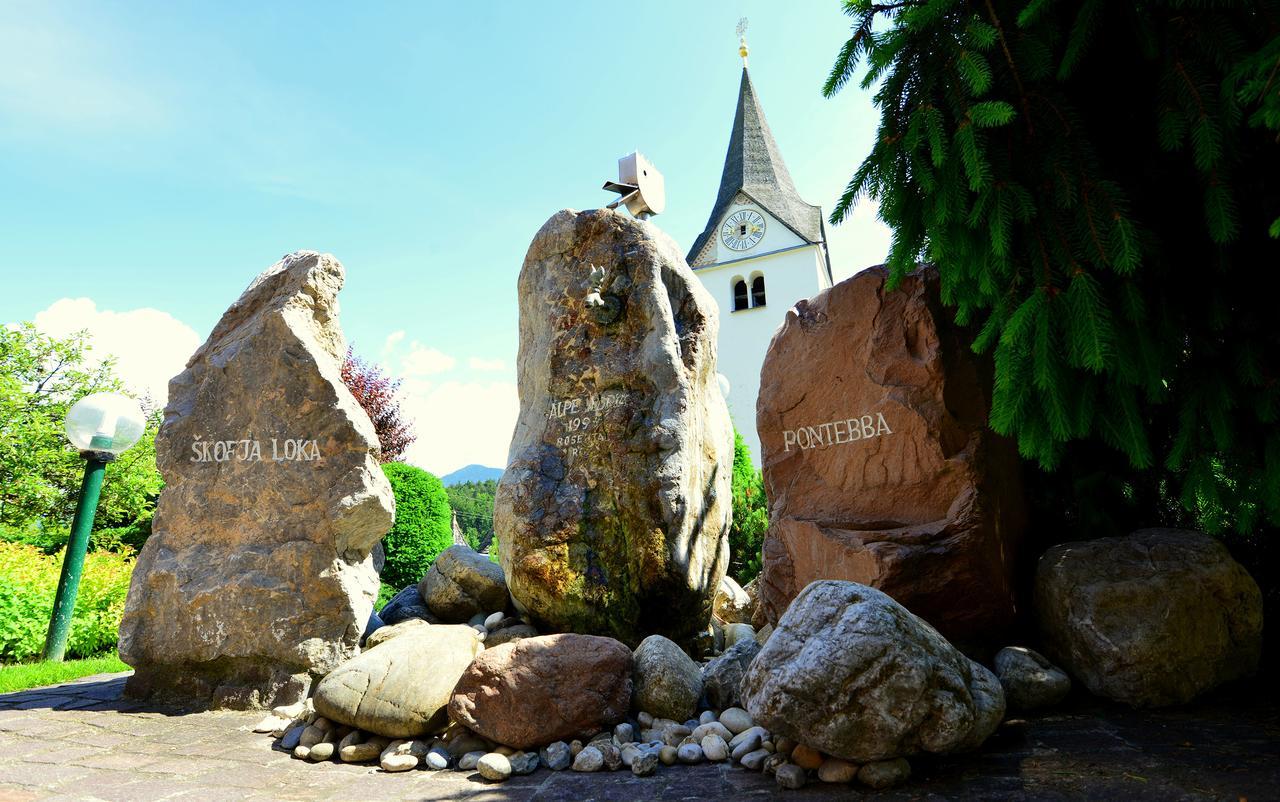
{"type": "Point", "coordinates": [754, 167]}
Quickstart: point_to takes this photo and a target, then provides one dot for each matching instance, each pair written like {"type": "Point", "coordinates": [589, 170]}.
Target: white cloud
{"type": "Point", "coordinates": [389, 344]}
{"type": "Point", "coordinates": [425, 361]}
{"type": "Point", "coordinates": [459, 423]}
{"type": "Point", "coordinates": [150, 346]}
{"type": "Point", "coordinates": [476, 363]}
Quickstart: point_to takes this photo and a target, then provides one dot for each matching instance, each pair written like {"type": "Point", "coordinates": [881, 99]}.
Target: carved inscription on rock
{"type": "Point", "coordinates": [578, 421]}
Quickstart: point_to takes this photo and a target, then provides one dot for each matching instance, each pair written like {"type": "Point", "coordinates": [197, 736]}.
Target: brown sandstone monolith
{"type": "Point", "coordinates": [878, 463]}
{"type": "Point", "coordinates": [612, 515]}
{"type": "Point", "coordinates": [259, 574]}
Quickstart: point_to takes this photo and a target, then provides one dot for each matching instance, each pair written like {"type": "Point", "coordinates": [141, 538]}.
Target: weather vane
{"type": "Point", "coordinates": [742, 40]}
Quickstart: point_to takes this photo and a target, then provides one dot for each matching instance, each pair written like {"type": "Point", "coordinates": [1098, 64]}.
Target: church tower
{"type": "Point", "coordinates": [763, 249]}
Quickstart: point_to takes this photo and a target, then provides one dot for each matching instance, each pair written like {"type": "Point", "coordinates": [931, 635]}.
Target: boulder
{"type": "Point", "coordinates": [461, 584]}
{"type": "Point", "coordinates": [549, 688]}
{"type": "Point", "coordinates": [667, 681]}
{"type": "Point", "coordinates": [722, 677]}
{"type": "Point", "coordinates": [877, 459]}
{"type": "Point", "coordinates": [1150, 619]}
{"type": "Point", "coordinates": [405, 605]}
{"type": "Point", "coordinates": [384, 634]}
{"type": "Point", "coordinates": [260, 570]}
{"type": "Point", "coordinates": [613, 512]}
{"type": "Point", "coordinates": [1029, 680]}
{"type": "Point", "coordinates": [401, 688]}
{"type": "Point", "coordinates": [854, 674]}
{"type": "Point", "coordinates": [732, 604]}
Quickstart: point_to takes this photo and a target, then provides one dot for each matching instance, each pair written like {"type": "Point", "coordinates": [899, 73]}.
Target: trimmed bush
{"type": "Point", "coordinates": [28, 581]}
{"type": "Point", "coordinates": [423, 526]}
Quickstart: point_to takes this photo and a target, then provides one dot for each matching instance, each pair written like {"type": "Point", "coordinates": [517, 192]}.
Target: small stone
{"type": "Point", "coordinates": [589, 759]}
{"type": "Point", "coordinates": [465, 742]}
{"type": "Point", "coordinates": [321, 751]}
{"type": "Point", "coordinates": [624, 733]}
{"type": "Point", "coordinates": [494, 767]}
{"type": "Point", "coordinates": [784, 745]}
{"type": "Point", "coordinates": [806, 757]}
{"type": "Point", "coordinates": [668, 755]}
{"type": "Point", "coordinates": [690, 754]}
{"type": "Point", "coordinates": [772, 762]}
{"type": "Point", "coordinates": [629, 754]}
{"type": "Point", "coordinates": [754, 732]}
{"type": "Point", "coordinates": [767, 746]}
{"type": "Point", "coordinates": [835, 770]}
{"type": "Point", "coordinates": [736, 719]}
{"type": "Point", "coordinates": [438, 759]}
{"type": "Point", "coordinates": [271, 723]}
{"type": "Point", "coordinates": [790, 776]}
{"type": "Point", "coordinates": [556, 756]}
{"type": "Point", "coordinates": [715, 749]}
{"type": "Point", "coordinates": [493, 620]}
{"type": "Point", "coordinates": [524, 762]}
{"type": "Point", "coordinates": [750, 744]}
{"type": "Point", "coordinates": [714, 728]}
{"type": "Point", "coordinates": [504, 750]}
{"type": "Point", "coordinates": [311, 736]}
{"type": "Point", "coordinates": [885, 773]}
{"type": "Point", "coordinates": [575, 747]}
{"type": "Point", "coordinates": [645, 764]}
{"type": "Point", "coordinates": [645, 720]}
{"type": "Point", "coordinates": [612, 756]}
{"type": "Point", "coordinates": [754, 760]}
{"type": "Point", "coordinates": [363, 752]}
{"type": "Point", "coordinates": [302, 752]}
{"type": "Point", "coordinates": [468, 761]}
{"type": "Point", "coordinates": [707, 717]}
{"type": "Point", "coordinates": [291, 712]}
{"type": "Point", "coordinates": [396, 762]}
{"type": "Point", "coordinates": [290, 739]}
{"type": "Point", "coordinates": [673, 735]}
{"type": "Point", "coordinates": [477, 620]}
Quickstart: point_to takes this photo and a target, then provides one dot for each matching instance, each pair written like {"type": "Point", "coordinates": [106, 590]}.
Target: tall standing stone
{"type": "Point", "coordinates": [613, 513]}
{"type": "Point", "coordinates": [878, 462]}
{"type": "Point", "coordinates": [258, 575]}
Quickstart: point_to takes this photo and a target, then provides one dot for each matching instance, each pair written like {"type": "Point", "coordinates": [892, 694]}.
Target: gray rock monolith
{"type": "Point", "coordinates": [259, 573]}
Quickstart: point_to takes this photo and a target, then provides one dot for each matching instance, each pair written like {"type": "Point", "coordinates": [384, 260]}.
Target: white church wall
{"type": "Point", "coordinates": [789, 275]}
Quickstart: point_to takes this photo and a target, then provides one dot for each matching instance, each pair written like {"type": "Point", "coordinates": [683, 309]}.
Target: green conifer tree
{"type": "Point", "coordinates": [1099, 185]}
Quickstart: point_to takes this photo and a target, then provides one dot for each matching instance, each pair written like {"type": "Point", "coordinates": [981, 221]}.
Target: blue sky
{"type": "Point", "coordinates": [157, 156]}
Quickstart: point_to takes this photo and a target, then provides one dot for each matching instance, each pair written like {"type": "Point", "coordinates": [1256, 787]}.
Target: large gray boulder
{"type": "Point", "coordinates": [722, 677]}
{"type": "Point", "coordinates": [260, 571]}
{"type": "Point", "coordinates": [406, 605]}
{"type": "Point", "coordinates": [667, 682]}
{"type": "Point", "coordinates": [1150, 619]}
{"type": "Point", "coordinates": [613, 512]}
{"type": "Point", "coordinates": [854, 674]}
{"type": "Point", "coordinates": [462, 583]}
{"type": "Point", "coordinates": [400, 688]}
{"type": "Point", "coordinates": [1029, 680]}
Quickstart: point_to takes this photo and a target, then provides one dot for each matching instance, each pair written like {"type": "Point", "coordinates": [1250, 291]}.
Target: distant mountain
{"type": "Point", "coordinates": [471, 473]}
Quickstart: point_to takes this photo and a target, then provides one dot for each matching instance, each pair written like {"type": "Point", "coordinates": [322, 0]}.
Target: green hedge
{"type": "Point", "coordinates": [28, 580]}
{"type": "Point", "coordinates": [423, 526]}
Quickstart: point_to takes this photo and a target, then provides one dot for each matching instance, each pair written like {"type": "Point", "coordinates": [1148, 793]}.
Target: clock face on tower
{"type": "Point", "coordinates": [742, 229]}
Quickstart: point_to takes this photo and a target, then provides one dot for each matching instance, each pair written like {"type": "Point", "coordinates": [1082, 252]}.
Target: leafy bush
{"type": "Point", "coordinates": [750, 515]}
{"type": "Point", "coordinates": [28, 581]}
{"type": "Point", "coordinates": [423, 526]}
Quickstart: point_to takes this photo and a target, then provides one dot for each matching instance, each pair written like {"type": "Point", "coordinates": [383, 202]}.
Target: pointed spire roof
{"type": "Point", "coordinates": [754, 167]}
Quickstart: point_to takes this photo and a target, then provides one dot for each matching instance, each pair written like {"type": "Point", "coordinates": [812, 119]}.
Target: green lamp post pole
{"type": "Point", "coordinates": [100, 426]}
{"type": "Point", "coordinates": [64, 602]}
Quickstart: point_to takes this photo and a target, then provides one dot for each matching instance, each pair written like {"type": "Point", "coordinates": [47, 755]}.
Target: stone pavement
{"type": "Point", "coordinates": [81, 741]}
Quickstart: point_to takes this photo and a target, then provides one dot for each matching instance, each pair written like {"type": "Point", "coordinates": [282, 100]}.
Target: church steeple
{"type": "Point", "coordinates": [754, 167]}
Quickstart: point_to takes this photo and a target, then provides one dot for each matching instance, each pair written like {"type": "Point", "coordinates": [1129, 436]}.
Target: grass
{"type": "Point", "coordinates": [20, 676]}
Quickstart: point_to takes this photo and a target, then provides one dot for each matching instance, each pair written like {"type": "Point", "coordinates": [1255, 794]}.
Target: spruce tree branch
{"type": "Point", "coordinates": [1017, 78]}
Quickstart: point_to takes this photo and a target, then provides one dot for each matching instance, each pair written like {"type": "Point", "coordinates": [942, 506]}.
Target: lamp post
{"type": "Point", "coordinates": [100, 426]}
